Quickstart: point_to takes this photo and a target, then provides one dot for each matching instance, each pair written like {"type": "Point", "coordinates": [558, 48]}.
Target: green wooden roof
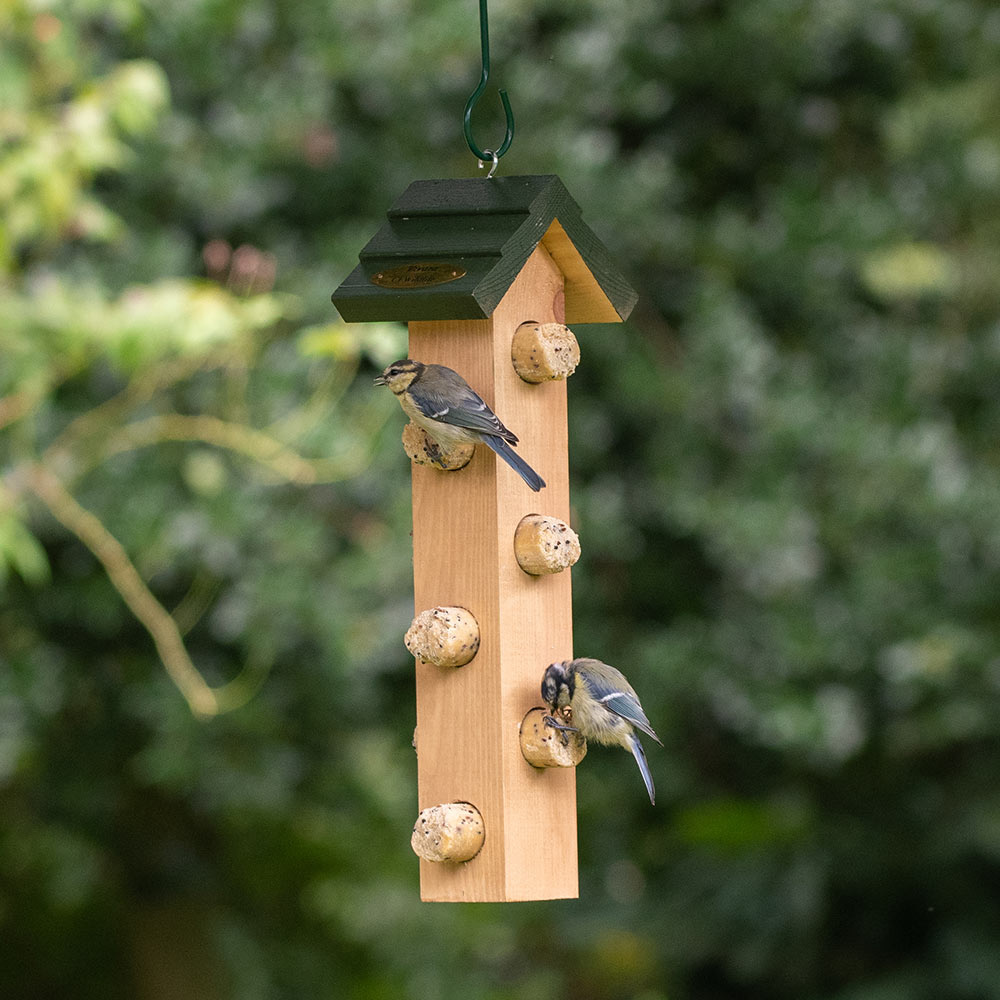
{"type": "Point", "coordinates": [483, 231]}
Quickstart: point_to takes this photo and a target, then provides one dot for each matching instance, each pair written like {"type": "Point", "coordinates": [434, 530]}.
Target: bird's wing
{"type": "Point", "coordinates": [453, 401]}
{"type": "Point", "coordinates": [622, 703]}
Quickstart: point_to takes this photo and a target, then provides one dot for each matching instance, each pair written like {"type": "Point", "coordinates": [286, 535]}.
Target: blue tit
{"type": "Point", "coordinates": [441, 402]}
{"type": "Point", "coordinates": [601, 705]}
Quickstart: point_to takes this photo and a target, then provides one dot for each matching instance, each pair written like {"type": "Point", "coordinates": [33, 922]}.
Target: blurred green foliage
{"type": "Point", "coordinates": [786, 479]}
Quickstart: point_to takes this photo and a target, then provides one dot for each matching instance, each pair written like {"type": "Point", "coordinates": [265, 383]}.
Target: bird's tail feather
{"type": "Point", "coordinates": [640, 758]}
{"type": "Point", "coordinates": [518, 464]}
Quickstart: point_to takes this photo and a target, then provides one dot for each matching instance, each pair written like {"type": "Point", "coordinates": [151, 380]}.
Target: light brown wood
{"type": "Point", "coordinates": [588, 302]}
{"type": "Point", "coordinates": [463, 555]}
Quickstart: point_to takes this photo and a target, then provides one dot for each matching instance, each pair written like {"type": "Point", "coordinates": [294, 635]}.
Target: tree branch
{"type": "Point", "coordinates": [239, 438]}
{"type": "Point", "coordinates": [125, 578]}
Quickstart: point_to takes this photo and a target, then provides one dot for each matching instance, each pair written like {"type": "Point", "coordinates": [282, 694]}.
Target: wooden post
{"type": "Point", "coordinates": [463, 556]}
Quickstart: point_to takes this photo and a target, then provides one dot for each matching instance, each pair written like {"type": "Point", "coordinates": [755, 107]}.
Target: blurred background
{"type": "Point", "coordinates": [785, 472]}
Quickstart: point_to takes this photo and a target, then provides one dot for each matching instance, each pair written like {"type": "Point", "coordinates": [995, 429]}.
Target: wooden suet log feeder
{"type": "Point", "coordinates": [543, 746]}
{"type": "Point", "coordinates": [541, 352]}
{"type": "Point", "coordinates": [467, 263]}
{"type": "Point", "coordinates": [545, 545]}
{"type": "Point", "coordinates": [423, 450]}
{"type": "Point", "coordinates": [452, 832]}
{"type": "Point", "coordinates": [446, 637]}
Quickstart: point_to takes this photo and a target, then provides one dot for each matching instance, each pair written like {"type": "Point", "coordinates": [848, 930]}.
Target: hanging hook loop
{"type": "Point", "coordinates": [487, 154]}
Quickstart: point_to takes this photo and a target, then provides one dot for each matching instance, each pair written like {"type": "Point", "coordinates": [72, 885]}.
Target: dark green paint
{"type": "Point", "coordinates": [489, 228]}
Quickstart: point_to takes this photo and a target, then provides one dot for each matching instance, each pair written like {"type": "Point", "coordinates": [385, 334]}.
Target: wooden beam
{"type": "Point", "coordinates": [468, 748]}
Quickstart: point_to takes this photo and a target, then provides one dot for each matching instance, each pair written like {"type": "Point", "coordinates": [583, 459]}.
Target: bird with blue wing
{"type": "Point", "coordinates": [601, 705]}
{"type": "Point", "coordinates": [440, 401]}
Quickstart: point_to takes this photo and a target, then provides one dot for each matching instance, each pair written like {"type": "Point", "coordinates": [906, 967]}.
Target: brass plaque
{"type": "Point", "coordinates": [422, 274]}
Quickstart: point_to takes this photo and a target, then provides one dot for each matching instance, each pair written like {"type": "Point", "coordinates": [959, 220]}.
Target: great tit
{"type": "Point", "coordinates": [601, 705]}
{"type": "Point", "coordinates": [447, 407]}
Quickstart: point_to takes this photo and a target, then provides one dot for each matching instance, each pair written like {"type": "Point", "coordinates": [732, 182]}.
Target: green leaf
{"type": "Point", "coordinates": [910, 270]}
{"type": "Point", "coordinates": [21, 551]}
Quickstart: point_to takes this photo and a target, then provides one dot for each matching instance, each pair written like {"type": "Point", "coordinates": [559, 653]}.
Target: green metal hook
{"type": "Point", "coordinates": [487, 154]}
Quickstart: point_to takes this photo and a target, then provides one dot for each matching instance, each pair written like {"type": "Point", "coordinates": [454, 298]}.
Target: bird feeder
{"type": "Point", "coordinates": [467, 264]}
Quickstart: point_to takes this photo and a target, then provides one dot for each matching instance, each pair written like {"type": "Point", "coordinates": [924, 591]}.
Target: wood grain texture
{"type": "Point", "coordinates": [463, 555]}
{"type": "Point", "coordinates": [596, 291]}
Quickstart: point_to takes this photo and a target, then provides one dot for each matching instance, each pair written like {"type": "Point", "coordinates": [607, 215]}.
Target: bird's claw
{"type": "Point", "coordinates": [434, 452]}
{"type": "Point", "coordinates": [553, 723]}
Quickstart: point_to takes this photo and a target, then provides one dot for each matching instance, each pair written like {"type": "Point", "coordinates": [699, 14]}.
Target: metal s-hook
{"type": "Point", "coordinates": [493, 167]}
{"type": "Point", "coordinates": [487, 154]}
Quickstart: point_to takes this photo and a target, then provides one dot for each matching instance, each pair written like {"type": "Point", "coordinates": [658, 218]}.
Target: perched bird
{"type": "Point", "coordinates": [452, 412]}
{"type": "Point", "coordinates": [601, 705]}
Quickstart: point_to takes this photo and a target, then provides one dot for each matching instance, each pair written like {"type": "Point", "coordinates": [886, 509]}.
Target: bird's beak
{"type": "Point", "coordinates": [380, 380]}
